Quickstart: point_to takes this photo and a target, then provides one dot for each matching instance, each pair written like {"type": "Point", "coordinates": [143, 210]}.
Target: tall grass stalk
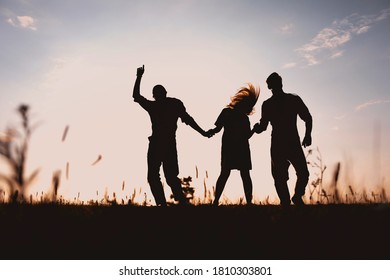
{"type": "Point", "coordinates": [14, 145]}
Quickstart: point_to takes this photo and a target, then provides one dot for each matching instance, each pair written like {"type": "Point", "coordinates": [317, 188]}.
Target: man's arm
{"type": "Point", "coordinates": [309, 126]}
{"type": "Point", "coordinates": [191, 122]}
{"type": "Point", "coordinates": [305, 115]}
{"type": "Point", "coordinates": [260, 126]}
{"type": "Point", "coordinates": [136, 91]}
{"type": "Point", "coordinates": [263, 124]}
{"type": "Point", "coordinates": [213, 131]}
{"type": "Point", "coordinates": [219, 123]}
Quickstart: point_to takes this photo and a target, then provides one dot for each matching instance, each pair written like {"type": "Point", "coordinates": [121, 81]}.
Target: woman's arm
{"type": "Point", "coordinates": [214, 130]}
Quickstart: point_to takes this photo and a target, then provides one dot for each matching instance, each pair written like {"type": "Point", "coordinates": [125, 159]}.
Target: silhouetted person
{"type": "Point", "coordinates": [281, 110]}
{"type": "Point", "coordinates": [164, 113]}
{"type": "Point", "coordinates": [235, 152]}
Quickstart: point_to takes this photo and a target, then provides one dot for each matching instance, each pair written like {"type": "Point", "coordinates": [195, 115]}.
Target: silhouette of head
{"type": "Point", "coordinates": [274, 81]}
{"type": "Point", "coordinates": [159, 92]}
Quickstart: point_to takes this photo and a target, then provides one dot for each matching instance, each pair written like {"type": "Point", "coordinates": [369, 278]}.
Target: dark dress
{"type": "Point", "coordinates": [235, 152]}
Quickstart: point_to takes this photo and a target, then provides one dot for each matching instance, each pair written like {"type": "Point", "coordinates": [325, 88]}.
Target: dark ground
{"type": "Point", "coordinates": [199, 232]}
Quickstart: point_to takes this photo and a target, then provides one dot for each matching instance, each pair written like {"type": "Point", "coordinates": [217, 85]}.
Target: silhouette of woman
{"type": "Point", "coordinates": [235, 153]}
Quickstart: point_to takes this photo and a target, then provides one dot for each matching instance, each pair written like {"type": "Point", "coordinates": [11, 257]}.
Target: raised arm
{"type": "Point", "coordinates": [136, 90]}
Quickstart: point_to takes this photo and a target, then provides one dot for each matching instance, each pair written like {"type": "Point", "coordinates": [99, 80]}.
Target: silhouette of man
{"type": "Point", "coordinates": [164, 113]}
{"type": "Point", "coordinates": [281, 110]}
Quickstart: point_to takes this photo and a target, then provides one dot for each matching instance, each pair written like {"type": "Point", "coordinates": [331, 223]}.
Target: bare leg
{"type": "Point", "coordinates": [248, 187]}
{"type": "Point", "coordinates": [221, 182]}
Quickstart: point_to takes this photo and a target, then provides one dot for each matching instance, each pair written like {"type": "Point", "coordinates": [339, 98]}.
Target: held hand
{"type": "Point", "coordinates": [256, 128]}
{"type": "Point", "coordinates": [306, 141]}
{"type": "Point", "coordinates": [209, 133]}
{"type": "Point", "coordinates": [140, 71]}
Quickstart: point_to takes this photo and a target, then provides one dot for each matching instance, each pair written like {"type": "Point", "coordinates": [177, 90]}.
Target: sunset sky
{"type": "Point", "coordinates": [74, 63]}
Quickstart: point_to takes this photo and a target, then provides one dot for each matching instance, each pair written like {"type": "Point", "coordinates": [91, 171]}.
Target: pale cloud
{"type": "Point", "coordinates": [311, 59]}
{"type": "Point", "coordinates": [289, 65]}
{"type": "Point", "coordinates": [371, 103]}
{"type": "Point", "coordinates": [11, 22]}
{"type": "Point", "coordinates": [59, 62]}
{"type": "Point", "coordinates": [341, 117]}
{"type": "Point", "coordinates": [327, 43]}
{"type": "Point", "coordinates": [27, 22]}
{"type": "Point", "coordinates": [337, 54]}
{"type": "Point", "coordinates": [287, 28]}
{"type": "Point", "coordinates": [363, 29]}
{"type": "Point", "coordinates": [58, 66]}
{"type": "Point", "coordinates": [383, 15]}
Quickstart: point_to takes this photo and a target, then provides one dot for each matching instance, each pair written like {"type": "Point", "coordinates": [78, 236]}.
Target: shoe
{"type": "Point", "coordinates": [297, 200]}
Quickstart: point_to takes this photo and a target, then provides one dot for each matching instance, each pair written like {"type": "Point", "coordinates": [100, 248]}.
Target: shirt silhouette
{"type": "Point", "coordinates": [164, 113]}
{"type": "Point", "coordinates": [282, 110]}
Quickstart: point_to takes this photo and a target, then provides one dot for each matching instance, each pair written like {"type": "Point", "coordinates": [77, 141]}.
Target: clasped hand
{"type": "Point", "coordinates": [209, 133]}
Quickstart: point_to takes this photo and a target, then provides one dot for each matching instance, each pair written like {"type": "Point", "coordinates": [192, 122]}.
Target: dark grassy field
{"type": "Point", "coordinates": [200, 232]}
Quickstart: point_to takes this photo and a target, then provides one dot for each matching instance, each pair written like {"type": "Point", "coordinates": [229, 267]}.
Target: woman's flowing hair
{"type": "Point", "coordinates": [245, 99]}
